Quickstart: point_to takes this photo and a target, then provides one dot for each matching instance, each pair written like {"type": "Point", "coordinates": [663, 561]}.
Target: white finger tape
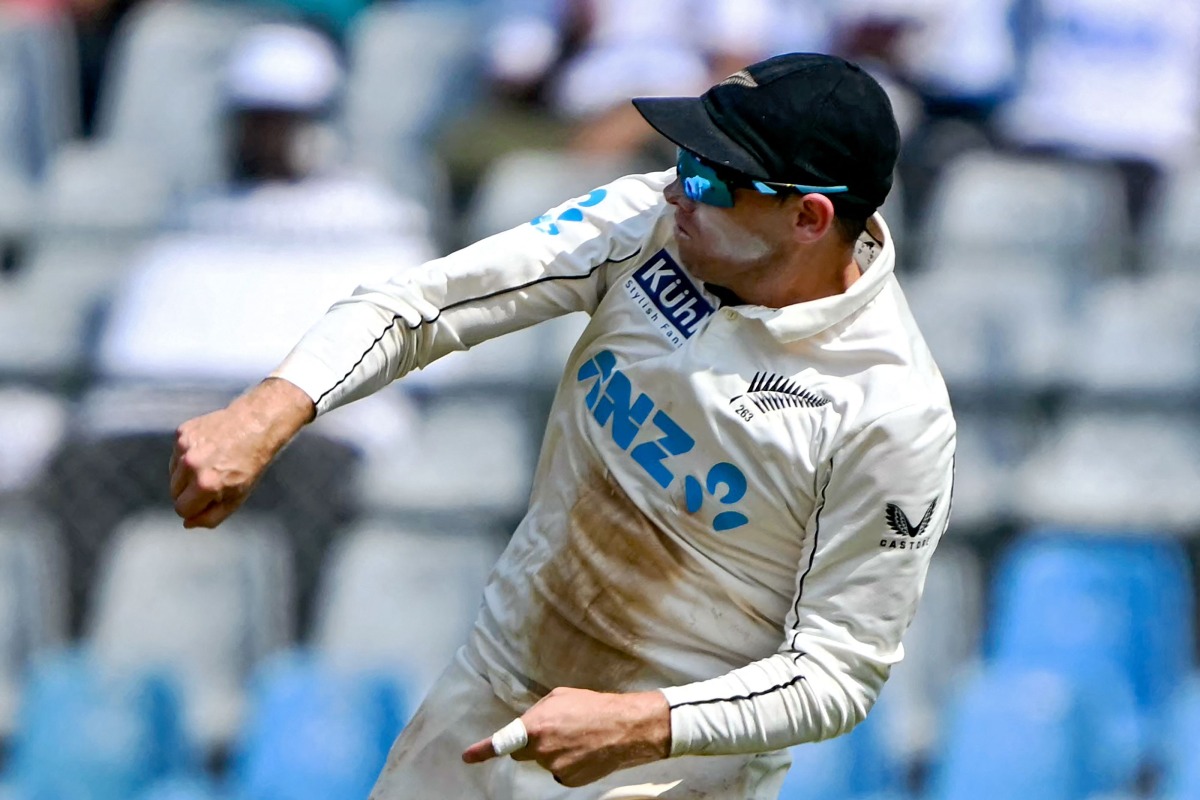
{"type": "Point", "coordinates": [511, 738]}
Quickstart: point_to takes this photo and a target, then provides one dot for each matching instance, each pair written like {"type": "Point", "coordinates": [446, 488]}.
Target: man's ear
{"type": "Point", "coordinates": [813, 218]}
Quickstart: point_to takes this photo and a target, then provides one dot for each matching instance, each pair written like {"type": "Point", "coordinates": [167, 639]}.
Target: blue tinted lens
{"type": "Point", "coordinates": [701, 183]}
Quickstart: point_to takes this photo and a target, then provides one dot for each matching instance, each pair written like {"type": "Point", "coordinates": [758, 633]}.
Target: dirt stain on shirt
{"type": "Point", "coordinates": [596, 599]}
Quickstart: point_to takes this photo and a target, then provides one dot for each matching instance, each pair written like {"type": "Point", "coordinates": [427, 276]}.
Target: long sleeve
{"type": "Point", "coordinates": [554, 265]}
{"type": "Point", "coordinates": [884, 502]}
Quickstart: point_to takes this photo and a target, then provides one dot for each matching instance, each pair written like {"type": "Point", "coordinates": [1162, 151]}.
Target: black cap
{"type": "Point", "coordinates": [797, 118]}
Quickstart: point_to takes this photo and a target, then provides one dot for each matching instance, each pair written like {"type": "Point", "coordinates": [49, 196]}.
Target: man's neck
{"type": "Point", "coordinates": [799, 280]}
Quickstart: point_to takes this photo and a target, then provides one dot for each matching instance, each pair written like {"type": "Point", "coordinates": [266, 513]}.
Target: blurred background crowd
{"type": "Point", "coordinates": [185, 185]}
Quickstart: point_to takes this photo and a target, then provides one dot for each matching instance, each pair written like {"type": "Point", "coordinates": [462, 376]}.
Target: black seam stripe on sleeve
{"type": "Point", "coordinates": [750, 696]}
{"type": "Point", "coordinates": [456, 304]}
{"type": "Point", "coordinates": [953, 481]}
{"type": "Point", "coordinates": [812, 556]}
{"type": "Point", "coordinates": [370, 347]}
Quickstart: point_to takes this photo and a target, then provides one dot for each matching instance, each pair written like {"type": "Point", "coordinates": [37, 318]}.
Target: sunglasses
{"type": "Point", "coordinates": [704, 183]}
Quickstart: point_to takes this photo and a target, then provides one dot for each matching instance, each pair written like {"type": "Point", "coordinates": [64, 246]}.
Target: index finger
{"type": "Point", "coordinates": [179, 477]}
{"type": "Point", "coordinates": [193, 500]}
{"type": "Point", "coordinates": [479, 752]}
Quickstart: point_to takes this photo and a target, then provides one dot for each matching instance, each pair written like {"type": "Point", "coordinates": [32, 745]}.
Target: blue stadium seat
{"type": "Point", "coordinates": [1086, 604]}
{"type": "Point", "coordinates": [89, 734]}
{"type": "Point", "coordinates": [315, 733]}
{"type": "Point", "coordinates": [851, 766]}
{"type": "Point", "coordinates": [183, 788]}
{"type": "Point", "coordinates": [208, 608]}
{"type": "Point", "coordinates": [1181, 767]}
{"type": "Point", "coordinates": [1014, 733]}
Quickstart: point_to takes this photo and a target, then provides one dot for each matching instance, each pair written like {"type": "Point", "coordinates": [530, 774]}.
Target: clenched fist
{"type": "Point", "coordinates": [219, 457]}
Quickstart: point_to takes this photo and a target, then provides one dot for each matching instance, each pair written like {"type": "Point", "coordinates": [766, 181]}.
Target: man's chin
{"type": "Point", "coordinates": [687, 258]}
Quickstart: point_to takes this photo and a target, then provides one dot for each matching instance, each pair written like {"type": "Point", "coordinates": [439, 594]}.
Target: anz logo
{"type": "Point", "coordinates": [611, 400]}
{"type": "Point", "coordinates": [549, 224]}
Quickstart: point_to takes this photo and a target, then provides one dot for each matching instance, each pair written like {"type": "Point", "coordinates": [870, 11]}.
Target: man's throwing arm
{"type": "Point", "coordinates": [552, 266]}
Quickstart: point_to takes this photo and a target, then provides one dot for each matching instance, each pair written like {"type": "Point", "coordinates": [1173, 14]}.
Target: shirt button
{"type": "Point", "coordinates": [730, 314]}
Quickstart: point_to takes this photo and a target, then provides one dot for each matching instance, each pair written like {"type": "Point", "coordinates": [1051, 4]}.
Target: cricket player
{"type": "Point", "coordinates": [747, 467]}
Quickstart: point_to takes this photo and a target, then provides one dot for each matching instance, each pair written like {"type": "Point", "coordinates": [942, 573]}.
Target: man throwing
{"type": "Point", "coordinates": [746, 470]}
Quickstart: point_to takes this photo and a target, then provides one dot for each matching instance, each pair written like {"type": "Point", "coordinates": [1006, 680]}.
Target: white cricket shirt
{"type": "Point", "coordinates": [734, 504]}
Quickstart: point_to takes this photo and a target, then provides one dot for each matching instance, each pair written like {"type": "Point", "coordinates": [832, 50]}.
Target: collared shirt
{"type": "Point", "coordinates": [734, 504]}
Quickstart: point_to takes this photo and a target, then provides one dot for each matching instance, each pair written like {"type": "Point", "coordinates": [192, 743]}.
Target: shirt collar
{"type": "Point", "coordinates": [876, 256]}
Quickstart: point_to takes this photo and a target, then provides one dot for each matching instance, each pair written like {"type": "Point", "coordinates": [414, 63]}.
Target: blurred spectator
{"type": "Point", "coordinates": [959, 58]}
{"type": "Point", "coordinates": [562, 71]}
{"type": "Point", "coordinates": [282, 156]}
{"type": "Point", "coordinates": [245, 270]}
{"type": "Point", "coordinates": [1107, 79]}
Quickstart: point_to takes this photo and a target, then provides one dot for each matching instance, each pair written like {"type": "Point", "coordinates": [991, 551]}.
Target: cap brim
{"type": "Point", "coordinates": [685, 121]}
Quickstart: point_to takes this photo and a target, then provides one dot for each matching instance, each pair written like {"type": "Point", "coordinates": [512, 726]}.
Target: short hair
{"type": "Point", "coordinates": [851, 225]}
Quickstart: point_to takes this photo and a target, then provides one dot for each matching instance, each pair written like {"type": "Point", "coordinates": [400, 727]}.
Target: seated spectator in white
{"type": "Point", "coordinates": [222, 296]}
{"type": "Point", "coordinates": [1111, 80]}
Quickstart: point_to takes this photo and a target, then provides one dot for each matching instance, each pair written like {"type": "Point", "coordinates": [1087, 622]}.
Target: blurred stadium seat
{"type": "Point", "coordinates": [411, 66]}
{"type": "Point", "coordinates": [1090, 606]}
{"type": "Point", "coordinates": [1139, 338]}
{"type": "Point", "coordinates": [942, 644]}
{"type": "Point", "coordinates": [1111, 468]}
{"type": "Point", "coordinates": [93, 208]}
{"type": "Point", "coordinates": [108, 192]}
{"type": "Point", "coordinates": [315, 733]}
{"type": "Point", "coordinates": [399, 601]}
{"type": "Point", "coordinates": [1018, 733]}
{"type": "Point", "coordinates": [856, 766]}
{"type": "Point", "coordinates": [33, 613]}
{"type": "Point", "coordinates": [206, 607]}
{"type": "Point", "coordinates": [88, 732]}
{"type": "Point", "coordinates": [17, 216]}
{"type": "Point", "coordinates": [992, 443]}
{"type": "Point", "coordinates": [523, 184]}
{"type": "Point", "coordinates": [33, 423]}
{"type": "Point", "coordinates": [1000, 333]}
{"type": "Point", "coordinates": [993, 210]}
{"type": "Point", "coordinates": [183, 788]}
{"type": "Point", "coordinates": [38, 89]}
{"type": "Point", "coordinates": [1172, 240]}
{"type": "Point", "coordinates": [1181, 742]}
{"type": "Point", "coordinates": [477, 460]}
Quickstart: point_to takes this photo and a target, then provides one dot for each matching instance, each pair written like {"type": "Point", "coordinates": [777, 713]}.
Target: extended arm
{"type": "Point", "coordinates": [512, 280]}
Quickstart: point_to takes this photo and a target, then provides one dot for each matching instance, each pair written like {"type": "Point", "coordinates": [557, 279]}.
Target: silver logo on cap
{"type": "Point", "coordinates": [741, 78]}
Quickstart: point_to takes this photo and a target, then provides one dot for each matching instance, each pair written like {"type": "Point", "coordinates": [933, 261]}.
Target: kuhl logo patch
{"type": "Point", "coordinates": [667, 296]}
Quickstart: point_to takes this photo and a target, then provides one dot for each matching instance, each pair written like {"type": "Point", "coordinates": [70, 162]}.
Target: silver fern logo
{"type": "Point", "coordinates": [741, 78]}
{"type": "Point", "coordinates": [769, 391]}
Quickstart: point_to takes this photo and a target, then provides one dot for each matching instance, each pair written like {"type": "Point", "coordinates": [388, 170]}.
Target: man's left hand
{"type": "Point", "coordinates": [580, 736]}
